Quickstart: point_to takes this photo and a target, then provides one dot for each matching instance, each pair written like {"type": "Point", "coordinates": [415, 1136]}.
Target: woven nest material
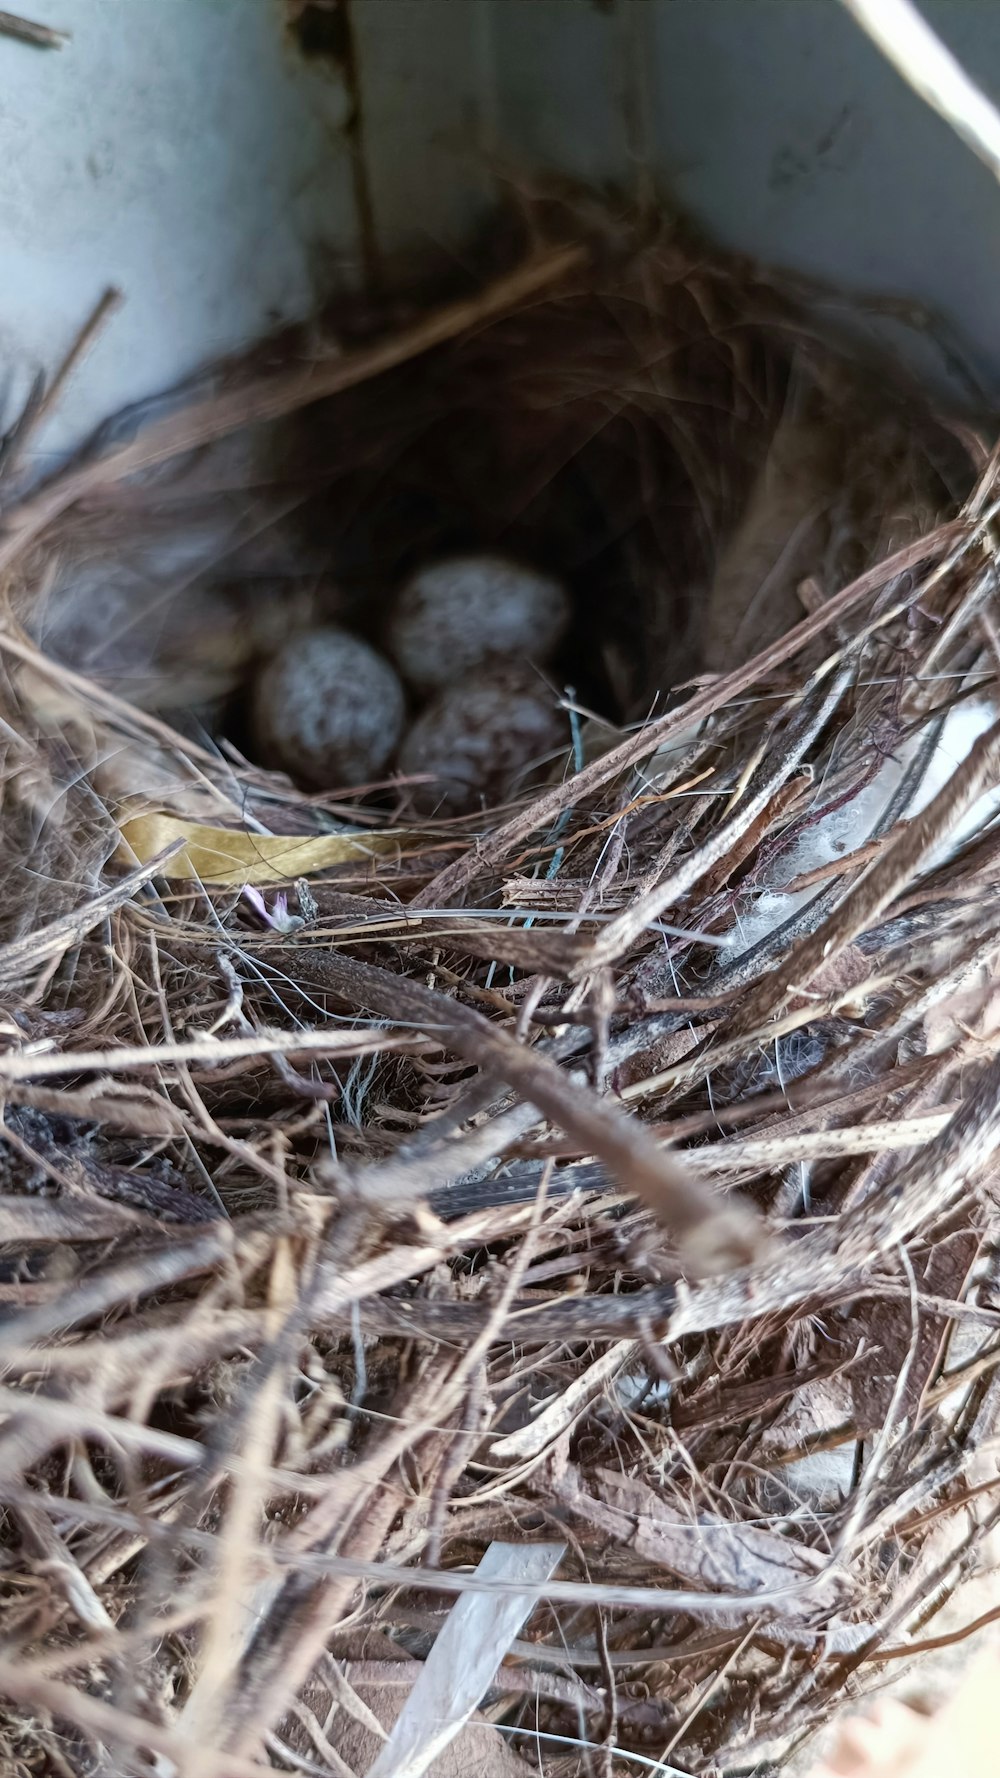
{"type": "Point", "coordinates": [601, 1189]}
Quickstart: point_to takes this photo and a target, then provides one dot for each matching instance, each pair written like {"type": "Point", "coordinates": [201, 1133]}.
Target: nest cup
{"type": "Point", "coordinates": [613, 1170]}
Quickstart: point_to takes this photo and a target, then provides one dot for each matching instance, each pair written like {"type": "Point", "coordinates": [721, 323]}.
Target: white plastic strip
{"type": "Point", "coordinates": [458, 1671]}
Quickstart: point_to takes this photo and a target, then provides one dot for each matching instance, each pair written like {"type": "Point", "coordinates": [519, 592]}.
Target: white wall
{"type": "Point", "coordinates": [186, 150]}
{"type": "Point", "coordinates": [178, 148]}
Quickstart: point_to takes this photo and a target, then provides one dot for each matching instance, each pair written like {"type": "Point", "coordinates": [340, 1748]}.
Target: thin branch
{"type": "Point", "coordinates": [715, 1234]}
{"type": "Point", "coordinates": [208, 1051]}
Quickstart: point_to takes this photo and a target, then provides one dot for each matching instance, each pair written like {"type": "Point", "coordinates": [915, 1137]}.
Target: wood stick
{"type": "Point", "coordinates": [715, 1234]}
{"type": "Point", "coordinates": [27, 31]}
{"type": "Point", "coordinates": [37, 409]}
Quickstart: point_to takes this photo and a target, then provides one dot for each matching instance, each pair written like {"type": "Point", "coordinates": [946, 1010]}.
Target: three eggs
{"type": "Point", "coordinates": [466, 637]}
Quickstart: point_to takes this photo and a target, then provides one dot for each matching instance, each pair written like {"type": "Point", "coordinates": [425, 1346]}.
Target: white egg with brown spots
{"type": "Point", "coordinates": [477, 741]}
{"type": "Point", "coordinates": [328, 710]}
{"type": "Point", "coordinates": [457, 615]}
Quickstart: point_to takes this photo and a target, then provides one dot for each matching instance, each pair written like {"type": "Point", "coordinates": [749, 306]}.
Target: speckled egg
{"type": "Point", "coordinates": [456, 615]}
{"type": "Point", "coordinates": [328, 709]}
{"type": "Point", "coordinates": [478, 738]}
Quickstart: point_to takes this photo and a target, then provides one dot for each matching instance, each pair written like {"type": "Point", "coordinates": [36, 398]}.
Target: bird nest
{"type": "Point", "coordinates": [528, 1279]}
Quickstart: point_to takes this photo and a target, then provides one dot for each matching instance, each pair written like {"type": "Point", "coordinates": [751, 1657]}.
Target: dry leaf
{"type": "Point", "coordinates": [706, 1550]}
{"type": "Point", "coordinates": [225, 856]}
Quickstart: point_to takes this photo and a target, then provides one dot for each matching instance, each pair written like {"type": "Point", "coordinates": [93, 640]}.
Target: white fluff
{"type": "Point", "coordinates": [848, 828]}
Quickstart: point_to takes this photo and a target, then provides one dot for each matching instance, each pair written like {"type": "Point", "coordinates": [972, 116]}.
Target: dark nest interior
{"type": "Point", "coordinates": [600, 1188]}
